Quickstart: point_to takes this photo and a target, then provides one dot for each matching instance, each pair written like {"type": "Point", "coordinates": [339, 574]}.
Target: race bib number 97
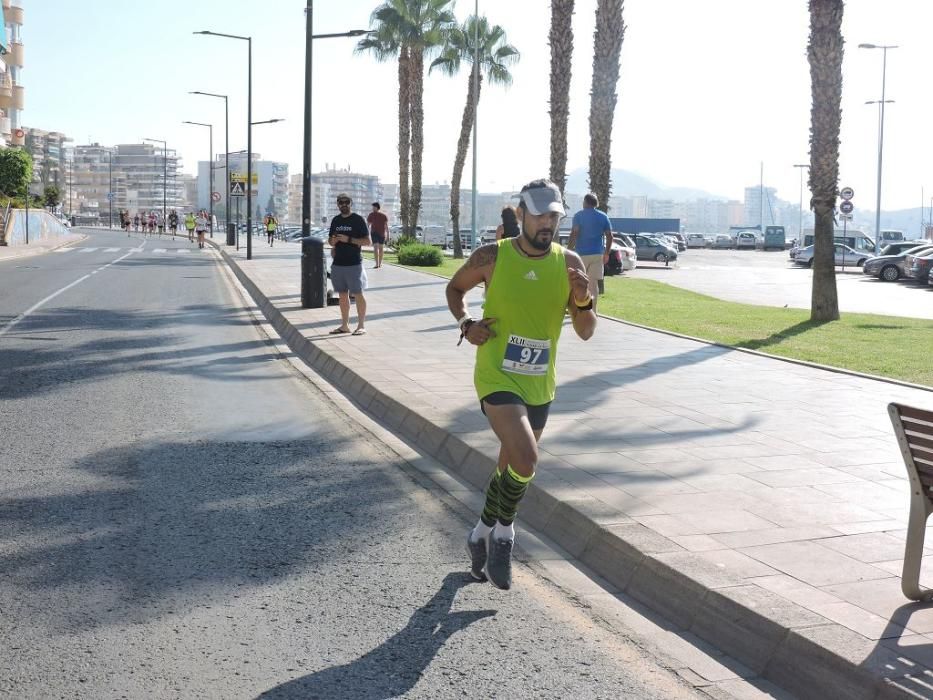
{"type": "Point", "coordinates": [527, 356]}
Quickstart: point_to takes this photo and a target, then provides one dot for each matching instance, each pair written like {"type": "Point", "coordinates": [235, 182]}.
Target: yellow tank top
{"type": "Point", "coordinates": [527, 297]}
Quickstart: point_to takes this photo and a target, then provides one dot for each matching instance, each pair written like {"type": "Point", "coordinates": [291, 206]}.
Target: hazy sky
{"type": "Point", "coordinates": [708, 90]}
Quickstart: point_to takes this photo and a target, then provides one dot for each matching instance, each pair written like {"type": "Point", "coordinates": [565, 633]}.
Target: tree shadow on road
{"type": "Point", "coordinates": [395, 666]}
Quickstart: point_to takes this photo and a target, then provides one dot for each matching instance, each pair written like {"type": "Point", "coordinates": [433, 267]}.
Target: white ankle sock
{"type": "Point", "coordinates": [504, 532]}
{"type": "Point", "coordinates": [480, 531]}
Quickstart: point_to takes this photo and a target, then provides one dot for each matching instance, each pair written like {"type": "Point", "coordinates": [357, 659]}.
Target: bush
{"type": "Point", "coordinates": [420, 255]}
{"type": "Point", "coordinates": [403, 241]}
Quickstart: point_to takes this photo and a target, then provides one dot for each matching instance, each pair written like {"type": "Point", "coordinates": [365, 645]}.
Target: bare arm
{"type": "Point", "coordinates": [574, 233]}
{"type": "Point", "coordinates": [608, 241]}
{"type": "Point", "coordinates": [476, 270]}
{"type": "Point", "coordinates": [584, 322]}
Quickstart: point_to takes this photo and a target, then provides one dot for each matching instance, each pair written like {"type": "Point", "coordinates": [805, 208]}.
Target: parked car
{"type": "Point", "coordinates": [650, 248]}
{"type": "Point", "coordinates": [891, 267]}
{"type": "Point", "coordinates": [745, 240]}
{"type": "Point", "coordinates": [920, 266]}
{"type": "Point", "coordinates": [627, 250]}
{"type": "Point", "coordinates": [902, 247]}
{"type": "Point", "coordinates": [723, 241]}
{"type": "Point", "coordinates": [696, 240]}
{"type": "Point", "coordinates": [930, 277]}
{"type": "Point", "coordinates": [845, 256]}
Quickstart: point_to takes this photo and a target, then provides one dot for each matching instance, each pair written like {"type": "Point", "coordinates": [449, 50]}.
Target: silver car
{"type": "Point", "coordinates": [845, 256]}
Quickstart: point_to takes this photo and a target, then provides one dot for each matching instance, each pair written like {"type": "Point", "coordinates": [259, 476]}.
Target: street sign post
{"type": "Point", "coordinates": [846, 207]}
{"type": "Point", "coordinates": [215, 196]}
{"type": "Point", "coordinates": [847, 193]}
{"type": "Point", "coordinates": [237, 189]}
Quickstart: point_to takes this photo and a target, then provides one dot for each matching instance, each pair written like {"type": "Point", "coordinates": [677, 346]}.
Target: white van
{"type": "Point", "coordinates": [855, 239]}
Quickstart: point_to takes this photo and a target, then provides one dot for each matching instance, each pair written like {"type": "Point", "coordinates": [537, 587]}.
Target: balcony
{"type": "Point", "coordinates": [6, 85]}
{"type": "Point", "coordinates": [19, 99]}
{"type": "Point", "coordinates": [14, 57]}
{"type": "Point", "coordinates": [5, 126]}
{"type": "Point", "coordinates": [6, 4]}
{"type": "Point", "coordinates": [12, 14]}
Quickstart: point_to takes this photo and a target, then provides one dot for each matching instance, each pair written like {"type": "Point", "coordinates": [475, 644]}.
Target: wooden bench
{"type": "Point", "coordinates": [914, 430]}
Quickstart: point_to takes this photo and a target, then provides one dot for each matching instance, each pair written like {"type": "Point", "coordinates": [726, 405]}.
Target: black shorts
{"type": "Point", "coordinates": [378, 239]}
{"type": "Point", "coordinates": [537, 415]}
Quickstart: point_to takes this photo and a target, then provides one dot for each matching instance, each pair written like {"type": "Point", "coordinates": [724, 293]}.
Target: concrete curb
{"type": "Point", "coordinates": [799, 650]}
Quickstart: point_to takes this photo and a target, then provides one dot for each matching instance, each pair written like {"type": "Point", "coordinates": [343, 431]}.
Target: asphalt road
{"type": "Point", "coordinates": [182, 516]}
{"type": "Point", "coordinates": [771, 279]}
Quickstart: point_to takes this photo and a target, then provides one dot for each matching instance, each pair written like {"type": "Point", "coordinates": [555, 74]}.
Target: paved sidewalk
{"type": "Point", "coordinates": [760, 504]}
{"type": "Point", "coordinates": [24, 251]}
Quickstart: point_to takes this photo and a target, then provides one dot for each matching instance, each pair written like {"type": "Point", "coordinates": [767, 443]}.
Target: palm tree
{"type": "Point", "coordinates": [408, 29]}
{"type": "Point", "coordinates": [607, 49]}
{"type": "Point", "coordinates": [825, 56]}
{"type": "Point", "coordinates": [561, 40]}
{"type": "Point", "coordinates": [495, 57]}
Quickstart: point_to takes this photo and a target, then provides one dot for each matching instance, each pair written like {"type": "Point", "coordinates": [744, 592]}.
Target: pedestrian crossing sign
{"type": "Point", "coordinates": [237, 189]}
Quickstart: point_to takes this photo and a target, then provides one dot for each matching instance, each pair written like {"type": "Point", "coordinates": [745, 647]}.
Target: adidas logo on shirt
{"type": "Point", "coordinates": [531, 275]}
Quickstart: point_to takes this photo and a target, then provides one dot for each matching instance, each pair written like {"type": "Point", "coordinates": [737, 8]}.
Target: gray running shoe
{"type": "Point", "coordinates": [477, 552]}
{"type": "Point", "coordinates": [499, 563]}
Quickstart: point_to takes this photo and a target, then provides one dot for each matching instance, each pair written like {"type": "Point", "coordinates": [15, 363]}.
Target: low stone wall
{"type": "Point", "coordinates": [43, 228]}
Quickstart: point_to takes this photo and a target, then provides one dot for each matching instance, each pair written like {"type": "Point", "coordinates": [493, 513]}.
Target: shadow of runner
{"type": "Point", "coordinates": [395, 666]}
{"type": "Point", "coordinates": [906, 667]}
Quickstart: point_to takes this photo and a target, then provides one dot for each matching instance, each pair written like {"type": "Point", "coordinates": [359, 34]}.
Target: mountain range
{"type": "Point", "coordinates": [628, 184]}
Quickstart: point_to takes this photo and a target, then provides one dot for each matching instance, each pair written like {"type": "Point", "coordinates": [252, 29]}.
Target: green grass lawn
{"type": "Point", "coordinates": [888, 346]}
{"type": "Point", "coordinates": [446, 269]}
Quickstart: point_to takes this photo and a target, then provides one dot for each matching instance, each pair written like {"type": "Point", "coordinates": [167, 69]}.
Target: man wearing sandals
{"type": "Point", "coordinates": [348, 234]}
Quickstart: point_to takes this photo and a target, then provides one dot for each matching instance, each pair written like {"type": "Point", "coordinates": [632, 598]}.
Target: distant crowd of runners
{"type": "Point", "coordinates": [195, 224]}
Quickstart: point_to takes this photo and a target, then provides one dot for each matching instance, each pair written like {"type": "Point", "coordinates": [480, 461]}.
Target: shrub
{"type": "Point", "coordinates": [403, 241]}
{"type": "Point", "coordinates": [419, 254]}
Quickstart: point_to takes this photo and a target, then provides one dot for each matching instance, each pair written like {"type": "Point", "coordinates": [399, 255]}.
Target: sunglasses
{"type": "Point", "coordinates": [343, 201]}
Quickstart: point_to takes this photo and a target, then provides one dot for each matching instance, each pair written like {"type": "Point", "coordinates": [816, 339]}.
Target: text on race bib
{"type": "Point", "coordinates": [527, 356]}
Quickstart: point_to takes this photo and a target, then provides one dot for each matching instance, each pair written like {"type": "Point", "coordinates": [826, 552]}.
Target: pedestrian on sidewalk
{"type": "Point", "coordinates": [348, 235]}
{"type": "Point", "coordinates": [378, 227]}
{"type": "Point", "coordinates": [530, 281]}
{"type": "Point", "coordinates": [591, 238]}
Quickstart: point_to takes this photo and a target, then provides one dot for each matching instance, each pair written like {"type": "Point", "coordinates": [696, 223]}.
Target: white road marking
{"type": "Point", "coordinates": [64, 250]}
{"type": "Point", "coordinates": [182, 251]}
{"type": "Point", "coordinates": [112, 250]}
{"type": "Point", "coordinates": [87, 250]}
{"type": "Point", "coordinates": [158, 250]}
{"type": "Point", "coordinates": [9, 326]}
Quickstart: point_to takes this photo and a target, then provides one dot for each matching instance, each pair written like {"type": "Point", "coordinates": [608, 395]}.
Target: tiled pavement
{"type": "Point", "coordinates": [758, 503]}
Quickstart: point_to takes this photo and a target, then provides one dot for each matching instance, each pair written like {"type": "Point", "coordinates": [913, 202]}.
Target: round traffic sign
{"type": "Point", "coordinates": [215, 196]}
{"type": "Point", "coordinates": [847, 193]}
{"type": "Point", "coordinates": [846, 207]}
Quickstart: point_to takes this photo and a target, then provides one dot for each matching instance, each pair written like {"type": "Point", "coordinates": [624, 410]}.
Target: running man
{"type": "Point", "coordinates": [201, 224]}
{"type": "Point", "coordinates": [190, 224]}
{"type": "Point", "coordinates": [136, 222]}
{"type": "Point", "coordinates": [271, 225]}
{"type": "Point", "coordinates": [173, 222]}
{"type": "Point", "coordinates": [530, 282]}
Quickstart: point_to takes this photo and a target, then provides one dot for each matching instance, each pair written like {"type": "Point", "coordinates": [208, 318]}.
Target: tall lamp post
{"type": "Point", "coordinates": [210, 165]}
{"type": "Point", "coordinates": [226, 157]}
{"type": "Point", "coordinates": [110, 187]}
{"type": "Point", "coordinates": [800, 218]}
{"type": "Point", "coordinates": [249, 133]}
{"type": "Point", "coordinates": [884, 67]}
{"type": "Point", "coordinates": [306, 160]}
{"type": "Point", "coordinates": [164, 174]}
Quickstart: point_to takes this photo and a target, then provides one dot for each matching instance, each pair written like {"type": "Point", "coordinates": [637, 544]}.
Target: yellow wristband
{"type": "Point", "coordinates": [586, 302]}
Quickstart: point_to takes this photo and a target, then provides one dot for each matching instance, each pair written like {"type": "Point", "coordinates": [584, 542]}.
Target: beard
{"type": "Point", "coordinates": [535, 242]}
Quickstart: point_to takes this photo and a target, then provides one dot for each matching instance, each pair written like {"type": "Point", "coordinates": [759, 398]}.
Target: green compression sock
{"type": "Point", "coordinates": [512, 487]}
{"type": "Point", "coordinates": [491, 507]}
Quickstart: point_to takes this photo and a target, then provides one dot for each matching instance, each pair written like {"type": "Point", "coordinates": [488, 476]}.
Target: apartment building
{"type": "Point", "coordinates": [270, 185]}
{"type": "Point", "coordinates": [49, 151]}
{"type": "Point", "coordinates": [134, 173]}
{"type": "Point", "coordinates": [321, 201]}
{"type": "Point", "coordinates": [363, 190]}
{"type": "Point", "coordinates": [12, 98]}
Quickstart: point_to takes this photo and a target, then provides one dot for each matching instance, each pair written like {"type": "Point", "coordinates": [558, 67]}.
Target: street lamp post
{"type": "Point", "coordinates": [226, 156]}
{"type": "Point", "coordinates": [881, 102]}
{"type": "Point", "coordinates": [164, 174]}
{"type": "Point", "coordinates": [306, 160]}
{"type": "Point", "coordinates": [249, 134]}
{"type": "Point", "coordinates": [110, 187]}
{"type": "Point", "coordinates": [800, 218]}
{"type": "Point", "coordinates": [210, 165]}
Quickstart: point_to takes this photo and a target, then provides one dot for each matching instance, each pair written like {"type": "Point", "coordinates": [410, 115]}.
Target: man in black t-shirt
{"type": "Point", "coordinates": [348, 234]}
